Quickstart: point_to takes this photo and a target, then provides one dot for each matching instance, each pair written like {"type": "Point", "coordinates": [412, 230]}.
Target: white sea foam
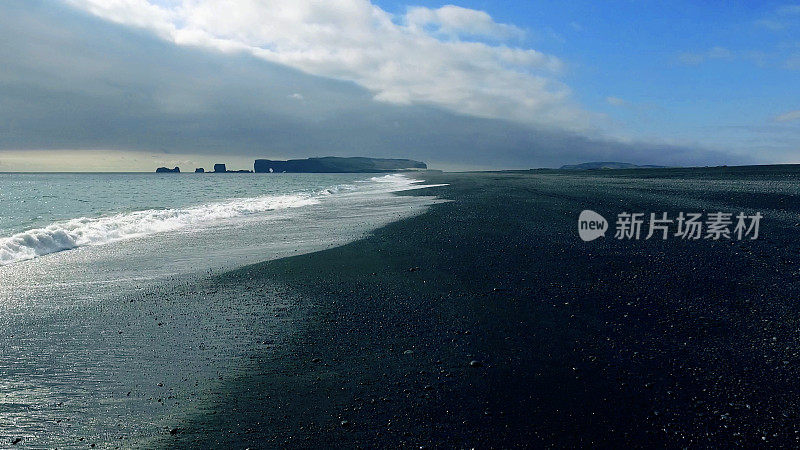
{"type": "Point", "coordinates": [96, 231]}
{"type": "Point", "coordinates": [399, 182]}
{"type": "Point", "coordinates": [86, 231]}
{"type": "Point", "coordinates": [391, 178]}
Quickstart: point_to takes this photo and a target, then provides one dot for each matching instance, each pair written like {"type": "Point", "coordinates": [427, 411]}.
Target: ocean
{"type": "Point", "coordinates": [113, 329]}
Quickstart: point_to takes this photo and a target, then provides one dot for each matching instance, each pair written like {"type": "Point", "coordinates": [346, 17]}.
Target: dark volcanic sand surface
{"type": "Point", "coordinates": [605, 343]}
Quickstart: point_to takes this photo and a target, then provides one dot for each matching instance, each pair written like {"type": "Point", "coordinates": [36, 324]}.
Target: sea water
{"type": "Point", "coordinates": [80, 363]}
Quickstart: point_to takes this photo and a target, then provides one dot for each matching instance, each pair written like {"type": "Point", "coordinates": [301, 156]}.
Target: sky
{"type": "Point", "coordinates": [129, 85]}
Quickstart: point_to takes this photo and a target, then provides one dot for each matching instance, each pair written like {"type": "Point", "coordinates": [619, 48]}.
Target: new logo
{"type": "Point", "coordinates": [591, 225]}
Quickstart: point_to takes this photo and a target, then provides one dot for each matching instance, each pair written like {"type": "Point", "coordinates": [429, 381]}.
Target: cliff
{"type": "Point", "coordinates": [333, 164]}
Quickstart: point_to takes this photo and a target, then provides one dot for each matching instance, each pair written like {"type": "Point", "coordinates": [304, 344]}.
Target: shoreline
{"type": "Point", "coordinates": [576, 344]}
{"type": "Point", "coordinates": [112, 344]}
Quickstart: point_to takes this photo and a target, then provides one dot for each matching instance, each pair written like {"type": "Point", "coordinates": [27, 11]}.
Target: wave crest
{"type": "Point", "coordinates": [96, 231]}
{"type": "Point", "coordinates": [84, 231]}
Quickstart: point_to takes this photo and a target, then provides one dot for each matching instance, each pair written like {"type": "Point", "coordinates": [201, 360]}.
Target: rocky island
{"type": "Point", "coordinates": [328, 164]}
{"type": "Point", "coordinates": [333, 164]}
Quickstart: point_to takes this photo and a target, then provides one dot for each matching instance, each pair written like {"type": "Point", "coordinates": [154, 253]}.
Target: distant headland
{"type": "Point", "coordinates": [328, 164]}
{"type": "Point", "coordinates": [607, 165]}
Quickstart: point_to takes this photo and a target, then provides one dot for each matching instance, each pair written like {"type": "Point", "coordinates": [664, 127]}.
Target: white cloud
{"type": "Point", "coordinates": [451, 57]}
{"type": "Point", "coordinates": [757, 57]}
{"type": "Point", "coordinates": [695, 58]}
{"type": "Point", "coordinates": [455, 21]}
{"type": "Point", "coordinates": [781, 19]}
{"type": "Point", "coordinates": [788, 116]}
{"type": "Point", "coordinates": [719, 53]}
{"type": "Point", "coordinates": [771, 24]}
{"type": "Point", "coordinates": [616, 101]}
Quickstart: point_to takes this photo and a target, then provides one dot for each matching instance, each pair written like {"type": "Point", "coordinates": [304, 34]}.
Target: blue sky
{"type": "Point", "coordinates": [684, 71]}
{"type": "Point", "coordinates": [468, 84]}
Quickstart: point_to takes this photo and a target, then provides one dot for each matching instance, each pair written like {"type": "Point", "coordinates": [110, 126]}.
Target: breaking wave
{"type": "Point", "coordinates": [84, 231]}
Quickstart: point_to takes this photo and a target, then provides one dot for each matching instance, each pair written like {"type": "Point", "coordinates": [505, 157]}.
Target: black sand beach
{"type": "Point", "coordinates": [487, 322]}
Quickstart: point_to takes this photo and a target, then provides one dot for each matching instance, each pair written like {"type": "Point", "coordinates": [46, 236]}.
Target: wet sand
{"type": "Point", "coordinates": [487, 322]}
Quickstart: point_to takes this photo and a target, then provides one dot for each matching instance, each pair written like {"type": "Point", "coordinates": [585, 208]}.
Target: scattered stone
{"type": "Point", "coordinates": [316, 360]}
{"type": "Point", "coordinates": [173, 431]}
{"type": "Point", "coordinates": [346, 423]}
{"type": "Point", "coordinates": [16, 441]}
{"type": "Point", "coordinates": [408, 352]}
{"type": "Point", "coordinates": [475, 363]}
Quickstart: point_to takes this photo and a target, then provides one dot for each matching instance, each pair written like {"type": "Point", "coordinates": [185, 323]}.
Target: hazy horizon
{"type": "Point", "coordinates": [122, 162]}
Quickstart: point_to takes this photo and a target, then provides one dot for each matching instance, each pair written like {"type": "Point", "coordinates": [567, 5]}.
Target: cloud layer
{"type": "Point", "coordinates": [72, 81]}
{"type": "Point", "coordinates": [452, 57]}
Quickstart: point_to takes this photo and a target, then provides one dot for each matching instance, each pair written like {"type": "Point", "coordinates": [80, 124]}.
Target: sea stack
{"type": "Point", "coordinates": [219, 168]}
{"type": "Point", "coordinates": [168, 170]}
{"type": "Point", "coordinates": [199, 170]}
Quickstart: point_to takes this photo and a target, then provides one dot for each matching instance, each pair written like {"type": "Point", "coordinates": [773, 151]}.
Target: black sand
{"type": "Point", "coordinates": [606, 343]}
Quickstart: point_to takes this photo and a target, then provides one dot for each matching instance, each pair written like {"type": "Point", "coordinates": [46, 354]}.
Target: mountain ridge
{"type": "Point", "coordinates": [607, 165]}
